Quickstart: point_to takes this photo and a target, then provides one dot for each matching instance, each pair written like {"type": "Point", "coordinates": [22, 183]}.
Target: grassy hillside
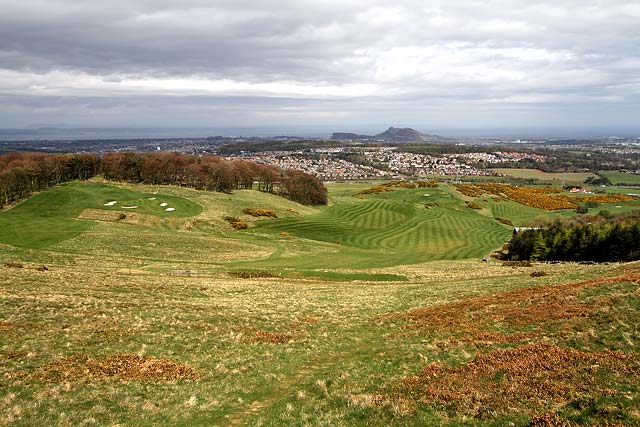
{"type": "Point", "coordinates": [355, 231]}
{"type": "Point", "coordinates": [460, 343]}
{"type": "Point", "coordinates": [373, 311]}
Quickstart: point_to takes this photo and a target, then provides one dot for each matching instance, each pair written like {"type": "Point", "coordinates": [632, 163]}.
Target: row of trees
{"type": "Point", "coordinates": [600, 239]}
{"type": "Point", "coordinates": [23, 174]}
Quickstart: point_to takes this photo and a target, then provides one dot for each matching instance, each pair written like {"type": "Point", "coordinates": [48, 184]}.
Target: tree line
{"type": "Point", "coordinates": [598, 238]}
{"type": "Point", "coordinates": [22, 174]}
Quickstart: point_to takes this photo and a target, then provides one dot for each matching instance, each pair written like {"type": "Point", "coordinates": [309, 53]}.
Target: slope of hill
{"type": "Point", "coordinates": [109, 341]}
{"type": "Point", "coordinates": [373, 311]}
{"type": "Point", "coordinates": [356, 231]}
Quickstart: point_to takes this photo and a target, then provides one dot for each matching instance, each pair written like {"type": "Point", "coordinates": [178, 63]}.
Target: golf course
{"type": "Point", "coordinates": [131, 304]}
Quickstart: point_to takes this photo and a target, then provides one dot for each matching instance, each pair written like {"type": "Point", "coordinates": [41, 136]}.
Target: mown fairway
{"type": "Point", "coordinates": [373, 311]}
{"type": "Point", "coordinates": [399, 227]}
{"type": "Point", "coordinates": [356, 231]}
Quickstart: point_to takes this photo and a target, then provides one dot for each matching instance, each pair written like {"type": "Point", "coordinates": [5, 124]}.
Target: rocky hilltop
{"type": "Point", "coordinates": [393, 134]}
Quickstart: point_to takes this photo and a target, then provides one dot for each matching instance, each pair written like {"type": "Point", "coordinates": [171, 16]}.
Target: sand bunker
{"type": "Point", "coordinates": [163, 204]}
{"type": "Point", "coordinates": [170, 209]}
{"type": "Point", "coordinates": [151, 198]}
{"type": "Point", "coordinates": [110, 203]}
{"type": "Point", "coordinates": [130, 207]}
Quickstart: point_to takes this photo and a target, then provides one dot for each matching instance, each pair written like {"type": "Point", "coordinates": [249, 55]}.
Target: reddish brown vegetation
{"type": "Point", "coordinates": [260, 212]}
{"type": "Point", "coordinates": [21, 174]}
{"type": "Point", "coordinates": [236, 223]}
{"type": "Point", "coordinates": [505, 221]}
{"type": "Point", "coordinates": [533, 377]}
{"type": "Point", "coordinates": [472, 320]}
{"type": "Point", "coordinates": [120, 366]}
{"type": "Point", "coordinates": [11, 264]}
{"type": "Point", "coordinates": [251, 274]}
{"type": "Point", "coordinates": [528, 377]}
{"type": "Point", "coordinates": [538, 274]}
{"type": "Point", "coordinates": [473, 205]}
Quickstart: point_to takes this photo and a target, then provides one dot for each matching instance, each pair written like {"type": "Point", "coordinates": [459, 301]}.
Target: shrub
{"type": "Point", "coordinates": [250, 274]}
{"type": "Point", "coordinates": [121, 217]}
{"type": "Point", "coordinates": [504, 221]}
{"type": "Point", "coordinates": [11, 264]}
{"type": "Point", "coordinates": [260, 212]}
{"type": "Point", "coordinates": [538, 274]}
{"type": "Point", "coordinates": [582, 209]}
{"type": "Point", "coordinates": [517, 264]}
{"type": "Point", "coordinates": [236, 223]}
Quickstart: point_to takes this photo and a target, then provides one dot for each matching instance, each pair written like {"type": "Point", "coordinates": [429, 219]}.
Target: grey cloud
{"type": "Point", "coordinates": [545, 56]}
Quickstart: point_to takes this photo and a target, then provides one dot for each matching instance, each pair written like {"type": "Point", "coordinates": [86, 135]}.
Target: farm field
{"type": "Point", "coordinates": [554, 178]}
{"type": "Point", "coordinates": [621, 178]}
{"type": "Point", "coordinates": [373, 311]}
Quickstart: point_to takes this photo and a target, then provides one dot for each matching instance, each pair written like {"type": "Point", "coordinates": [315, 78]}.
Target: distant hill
{"type": "Point", "coordinates": [393, 134]}
{"type": "Point", "coordinates": [348, 136]}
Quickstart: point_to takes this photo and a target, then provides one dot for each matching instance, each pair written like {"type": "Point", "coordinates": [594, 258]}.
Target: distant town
{"type": "Point", "coordinates": [393, 154]}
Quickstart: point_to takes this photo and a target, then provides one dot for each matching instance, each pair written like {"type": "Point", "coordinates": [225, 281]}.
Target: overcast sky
{"type": "Point", "coordinates": [343, 63]}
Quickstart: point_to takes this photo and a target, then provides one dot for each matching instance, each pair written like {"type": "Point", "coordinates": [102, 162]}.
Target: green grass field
{"type": "Point", "coordinates": [52, 216]}
{"type": "Point", "coordinates": [546, 177]}
{"type": "Point", "coordinates": [359, 232]}
{"type": "Point", "coordinates": [620, 178]}
{"type": "Point", "coordinates": [372, 311]}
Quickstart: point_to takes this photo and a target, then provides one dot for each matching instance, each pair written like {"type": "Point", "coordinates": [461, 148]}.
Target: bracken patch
{"type": "Point", "coordinates": [471, 320]}
{"type": "Point", "coordinates": [533, 377]}
{"type": "Point", "coordinates": [260, 212]}
{"type": "Point", "coordinates": [119, 366]}
{"type": "Point", "coordinates": [6, 326]}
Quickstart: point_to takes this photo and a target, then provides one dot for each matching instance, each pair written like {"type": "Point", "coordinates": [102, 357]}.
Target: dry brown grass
{"type": "Point", "coordinates": [6, 326]}
{"type": "Point", "coordinates": [472, 320]}
{"type": "Point", "coordinates": [251, 274]}
{"type": "Point", "coordinates": [11, 264]}
{"type": "Point", "coordinates": [260, 212]}
{"type": "Point", "coordinates": [534, 376]}
{"type": "Point", "coordinates": [120, 366]}
{"type": "Point", "coordinates": [14, 354]}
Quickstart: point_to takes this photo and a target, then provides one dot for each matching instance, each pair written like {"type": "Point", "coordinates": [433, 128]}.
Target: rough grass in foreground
{"type": "Point", "coordinates": [120, 340]}
{"type": "Point", "coordinates": [531, 378]}
{"type": "Point", "coordinates": [130, 367]}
